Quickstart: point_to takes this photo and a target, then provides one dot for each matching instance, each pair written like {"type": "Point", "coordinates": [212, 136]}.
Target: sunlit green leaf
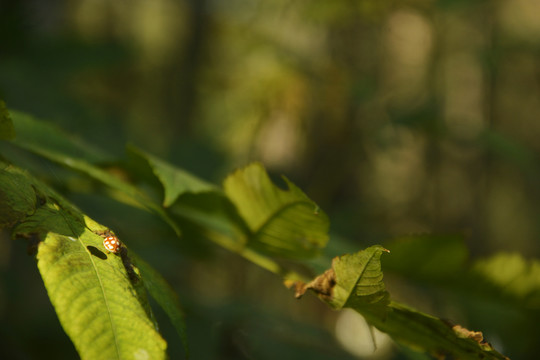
{"type": "Point", "coordinates": [101, 307]}
{"type": "Point", "coordinates": [282, 222]}
{"type": "Point", "coordinates": [359, 279]}
{"type": "Point", "coordinates": [96, 303]}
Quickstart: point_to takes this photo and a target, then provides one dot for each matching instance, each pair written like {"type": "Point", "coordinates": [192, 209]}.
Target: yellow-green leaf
{"type": "Point", "coordinates": [282, 222]}
{"type": "Point", "coordinates": [99, 304]}
{"type": "Point", "coordinates": [359, 279]}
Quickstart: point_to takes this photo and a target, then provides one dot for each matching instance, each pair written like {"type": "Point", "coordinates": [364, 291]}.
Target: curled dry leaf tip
{"type": "Point", "coordinates": [322, 285]}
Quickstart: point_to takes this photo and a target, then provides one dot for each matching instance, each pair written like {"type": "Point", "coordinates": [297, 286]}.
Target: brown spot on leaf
{"type": "Point", "coordinates": [322, 285]}
{"type": "Point", "coordinates": [465, 333]}
{"type": "Point", "coordinates": [477, 336]}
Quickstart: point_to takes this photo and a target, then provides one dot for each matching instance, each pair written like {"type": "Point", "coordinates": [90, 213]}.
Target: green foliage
{"type": "Point", "coordinates": [396, 118]}
{"type": "Point", "coordinates": [92, 292]}
{"type": "Point", "coordinates": [17, 198]}
{"type": "Point", "coordinates": [93, 297]}
{"type": "Point", "coordinates": [101, 300]}
{"type": "Point", "coordinates": [51, 143]}
{"type": "Point", "coordinates": [359, 279]}
{"type": "Point", "coordinates": [510, 276]}
{"type": "Point", "coordinates": [282, 223]}
{"type": "Point", "coordinates": [175, 181]}
{"type": "Point", "coordinates": [430, 334]}
{"type": "Point", "coordinates": [355, 281]}
{"type": "Point", "coordinates": [165, 296]}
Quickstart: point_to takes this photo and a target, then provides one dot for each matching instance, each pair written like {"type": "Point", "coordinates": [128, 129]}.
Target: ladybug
{"type": "Point", "coordinates": [111, 243]}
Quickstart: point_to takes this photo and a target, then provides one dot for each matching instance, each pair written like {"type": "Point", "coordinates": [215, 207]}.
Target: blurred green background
{"type": "Point", "coordinates": [397, 118]}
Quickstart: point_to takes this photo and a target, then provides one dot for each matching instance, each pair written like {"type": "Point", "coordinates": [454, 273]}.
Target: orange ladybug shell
{"type": "Point", "coordinates": [112, 244]}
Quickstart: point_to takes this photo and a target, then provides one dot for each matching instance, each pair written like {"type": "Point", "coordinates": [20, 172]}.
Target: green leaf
{"type": "Point", "coordinates": [213, 212]}
{"type": "Point", "coordinates": [355, 281]}
{"type": "Point", "coordinates": [426, 333]}
{"type": "Point", "coordinates": [17, 196]}
{"type": "Point", "coordinates": [175, 181]}
{"type": "Point", "coordinates": [99, 305]}
{"type": "Point", "coordinates": [165, 296]}
{"type": "Point", "coordinates": [45, 139]}
{"type": "Point", "coordinates": [51, 143]}
{"type": "Point", "coordinates": [96, 303]}
{"type": "Point", "coordinates": [7, 132]}
{"type": "Point", "coordinates": [509, 276]}
{"type": "Point", "coordinates": [282, 222]}
{"type": "Point", "coordinates": [359, 279]}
